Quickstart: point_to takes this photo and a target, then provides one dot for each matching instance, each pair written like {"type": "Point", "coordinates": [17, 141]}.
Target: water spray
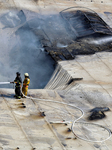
{"type": "Point", "coordinates": [99, 41]}
{"type": "Point", "coordinates": [2, 83]}
{"type": "Point", "coordinates": [5, 82]}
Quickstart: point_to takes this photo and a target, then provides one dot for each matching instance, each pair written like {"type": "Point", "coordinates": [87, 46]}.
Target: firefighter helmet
{"type": "Point", "coordinates": [18, 73]}
{"type": "Point", "coordinates": [26, 74]}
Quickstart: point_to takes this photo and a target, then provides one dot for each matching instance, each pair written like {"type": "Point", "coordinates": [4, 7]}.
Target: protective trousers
{"type": "Point", "coordinates": [18, 92]}
{"type": "Point", "coordinates": [25, 90]}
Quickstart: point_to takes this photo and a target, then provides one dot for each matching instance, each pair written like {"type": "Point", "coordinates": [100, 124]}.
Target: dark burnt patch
{"type": "Point", "coordinates": [77, 48]}
{"type": "Point", "coordinates": [91, 32]}
{"type": "Point", "coordinates": [103, 109]}
{"type": "Point", "coordinates": [98, 113]}
{"type": "Point", "coordinates": [84, 22]}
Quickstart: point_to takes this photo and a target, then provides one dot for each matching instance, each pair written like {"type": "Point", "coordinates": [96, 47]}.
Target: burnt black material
{"type": "Point", "coordinates": [86, 23]}
{"type": "Point", "coordinates": [69, 130]}
{"type": "Point", "coordinates": [68, 138]}
{"type": "Point", "coordinates": [98, 113]}
{"type": "Point", "coordinates": [24, 106]}
{"type": "Point", "coordinates": [43, 114]}
{"type": "Point", "coordinates": [103, 109]}
{"type": "Point", "coordinates": [86, 26]}
{"type": "Point", "coordinates": [59, 53]}
{"type": "Point", "coordinates": [74, 79]}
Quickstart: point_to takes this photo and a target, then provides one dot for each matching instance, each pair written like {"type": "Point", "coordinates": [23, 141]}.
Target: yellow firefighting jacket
{"type": "Point", "coordinates": [26, 82]}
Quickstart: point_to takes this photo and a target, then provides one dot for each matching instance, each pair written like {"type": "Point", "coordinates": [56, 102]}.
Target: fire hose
{"type": "Point", "coordinates": [75, 121]}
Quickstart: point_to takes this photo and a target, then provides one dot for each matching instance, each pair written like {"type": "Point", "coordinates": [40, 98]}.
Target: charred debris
{"type": "Point", "coordinates": [91, 31]}
{"type": "Point", "coordinates": [75, 31]}
{"type": "Point", "coordinates": [98, 113]}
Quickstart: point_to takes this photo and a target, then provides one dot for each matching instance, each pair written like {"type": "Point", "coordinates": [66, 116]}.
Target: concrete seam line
{"type": "Point", "coordinates": [75, 121]}
{"type": "Point", "coordinates": [18, 124]}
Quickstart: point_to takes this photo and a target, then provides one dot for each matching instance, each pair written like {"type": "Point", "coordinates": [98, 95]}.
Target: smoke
{"type": "Point", "coordinates": [12, 19]}
{"type": "Point", "coordinates": [56, 29]}
{"type": "Point", "coordinates": [24, 35]}
{"type": "Point", "coordinates": [97, 41]}
{"type": "Point", "coordinates": [22, 50]}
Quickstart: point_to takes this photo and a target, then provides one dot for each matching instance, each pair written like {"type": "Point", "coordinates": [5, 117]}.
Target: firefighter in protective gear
{"type": "Point", "coordinates": [18, 82]}
{"type": "Point", "coordinates": [26, 83]}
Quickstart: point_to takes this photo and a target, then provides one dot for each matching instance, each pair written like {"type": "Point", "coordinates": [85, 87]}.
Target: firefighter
{"type": "Point", "coordinates": [18, 82]}
{"type": "Point", "coordinates": [26, 83]}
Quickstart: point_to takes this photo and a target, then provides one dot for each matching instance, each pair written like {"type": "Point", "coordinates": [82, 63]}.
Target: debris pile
{"type": "Point", "coordinates": [98, 113]}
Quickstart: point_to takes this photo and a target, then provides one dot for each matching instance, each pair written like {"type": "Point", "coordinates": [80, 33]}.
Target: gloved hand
{"type": "Point", "coordinates": [12, 82]}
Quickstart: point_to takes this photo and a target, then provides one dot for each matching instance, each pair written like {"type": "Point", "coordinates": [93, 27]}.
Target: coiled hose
{"type": "Point", "coordinates": [75, 121]}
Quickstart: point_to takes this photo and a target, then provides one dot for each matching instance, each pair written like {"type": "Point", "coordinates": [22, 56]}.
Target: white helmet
{"type": "Point", "coordinates": [26, 74]}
